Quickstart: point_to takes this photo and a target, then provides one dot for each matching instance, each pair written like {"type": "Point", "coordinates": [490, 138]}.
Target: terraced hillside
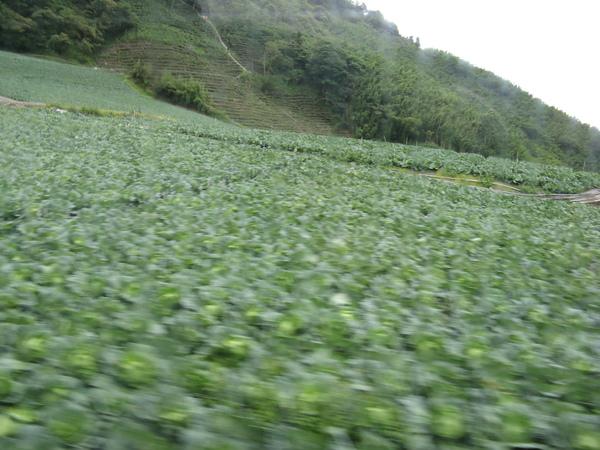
{"type": "Point", "coordinates": [291, 111]}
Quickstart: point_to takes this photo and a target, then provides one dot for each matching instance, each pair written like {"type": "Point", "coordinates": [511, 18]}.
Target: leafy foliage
{"type": "Point", "coordinates": [169, 285]}
{"type": "Point", "coordinates": [67, 28]}
{"type": "Point", "coordinates": [142, 75]}
{"type": "Point", "coordinates": [186, 92]}
{"type": "Point", "coordinates": [540, 176]}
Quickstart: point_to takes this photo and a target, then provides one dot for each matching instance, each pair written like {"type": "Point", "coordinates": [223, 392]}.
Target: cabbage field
{"type": "Point", "coordinates": [169, 285]}
{"type": "Point", "coordinates": [551, 179]}
{"type": "Point", "coordinates": [31, 79]}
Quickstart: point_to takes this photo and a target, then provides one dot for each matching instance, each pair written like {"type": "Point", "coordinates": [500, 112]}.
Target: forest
{"type": "Point", "coordinates": [377, 83]}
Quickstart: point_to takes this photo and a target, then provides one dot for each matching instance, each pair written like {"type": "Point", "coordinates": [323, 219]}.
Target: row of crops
{"type": "Point", "coordinates": [548, 178]}
{"type": "Point", "coordinates": [162, 289]}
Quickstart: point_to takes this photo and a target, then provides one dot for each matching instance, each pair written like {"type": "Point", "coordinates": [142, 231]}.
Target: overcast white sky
{"type": "Point", "coordinates": [548, 48]}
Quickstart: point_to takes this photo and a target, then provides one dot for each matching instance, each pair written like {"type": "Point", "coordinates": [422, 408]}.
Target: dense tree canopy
{"type": "Point", "coordinates": [71, 28]}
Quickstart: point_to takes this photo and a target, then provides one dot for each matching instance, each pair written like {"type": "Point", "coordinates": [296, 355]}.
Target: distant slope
{"type": "Point", "coordinates": [293, 111]}
{"type": "Point", "coordinates": [181, 42]}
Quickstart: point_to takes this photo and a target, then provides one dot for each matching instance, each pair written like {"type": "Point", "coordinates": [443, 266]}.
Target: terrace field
{"type": "Point", "coordinates": [181, 283]}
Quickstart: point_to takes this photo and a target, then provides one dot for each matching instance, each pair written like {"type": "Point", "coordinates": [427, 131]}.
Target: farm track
{"type": "Point", "coordinates": [591, 197]}
{"type": "Point", "coordinates": [5, 101]}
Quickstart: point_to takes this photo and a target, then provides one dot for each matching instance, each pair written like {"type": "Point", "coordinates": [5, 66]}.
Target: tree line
{"type": "Point", "coordinates": [74, 29]}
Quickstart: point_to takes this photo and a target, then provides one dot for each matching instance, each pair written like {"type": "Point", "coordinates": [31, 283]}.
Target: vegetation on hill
{"type": "Point", "coordinates": [382, 85]}
{"type": "Point", "coordinates": [375, 83]}
{"type": "Point", "coordinates": [70, 28]}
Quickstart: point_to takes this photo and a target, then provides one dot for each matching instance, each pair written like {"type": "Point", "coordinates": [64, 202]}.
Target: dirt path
{"type": "Point", "coordinates": [591, 197]}
{"type": "Point", "coordinates": [5, 101]}
{"type": "Point", "coordinates": [223, 43]}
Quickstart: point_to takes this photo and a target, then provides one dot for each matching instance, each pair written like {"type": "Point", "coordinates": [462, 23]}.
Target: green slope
{"type": "Point", "coordinates": [37, 80]}
{"type": "Point", "coordinates": [177, 40]}
{"type": "Point", "coordinates": [293, 110]}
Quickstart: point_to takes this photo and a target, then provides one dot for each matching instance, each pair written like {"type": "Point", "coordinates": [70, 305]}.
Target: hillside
{"type": "Point", "coordinates": [327, 66]}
